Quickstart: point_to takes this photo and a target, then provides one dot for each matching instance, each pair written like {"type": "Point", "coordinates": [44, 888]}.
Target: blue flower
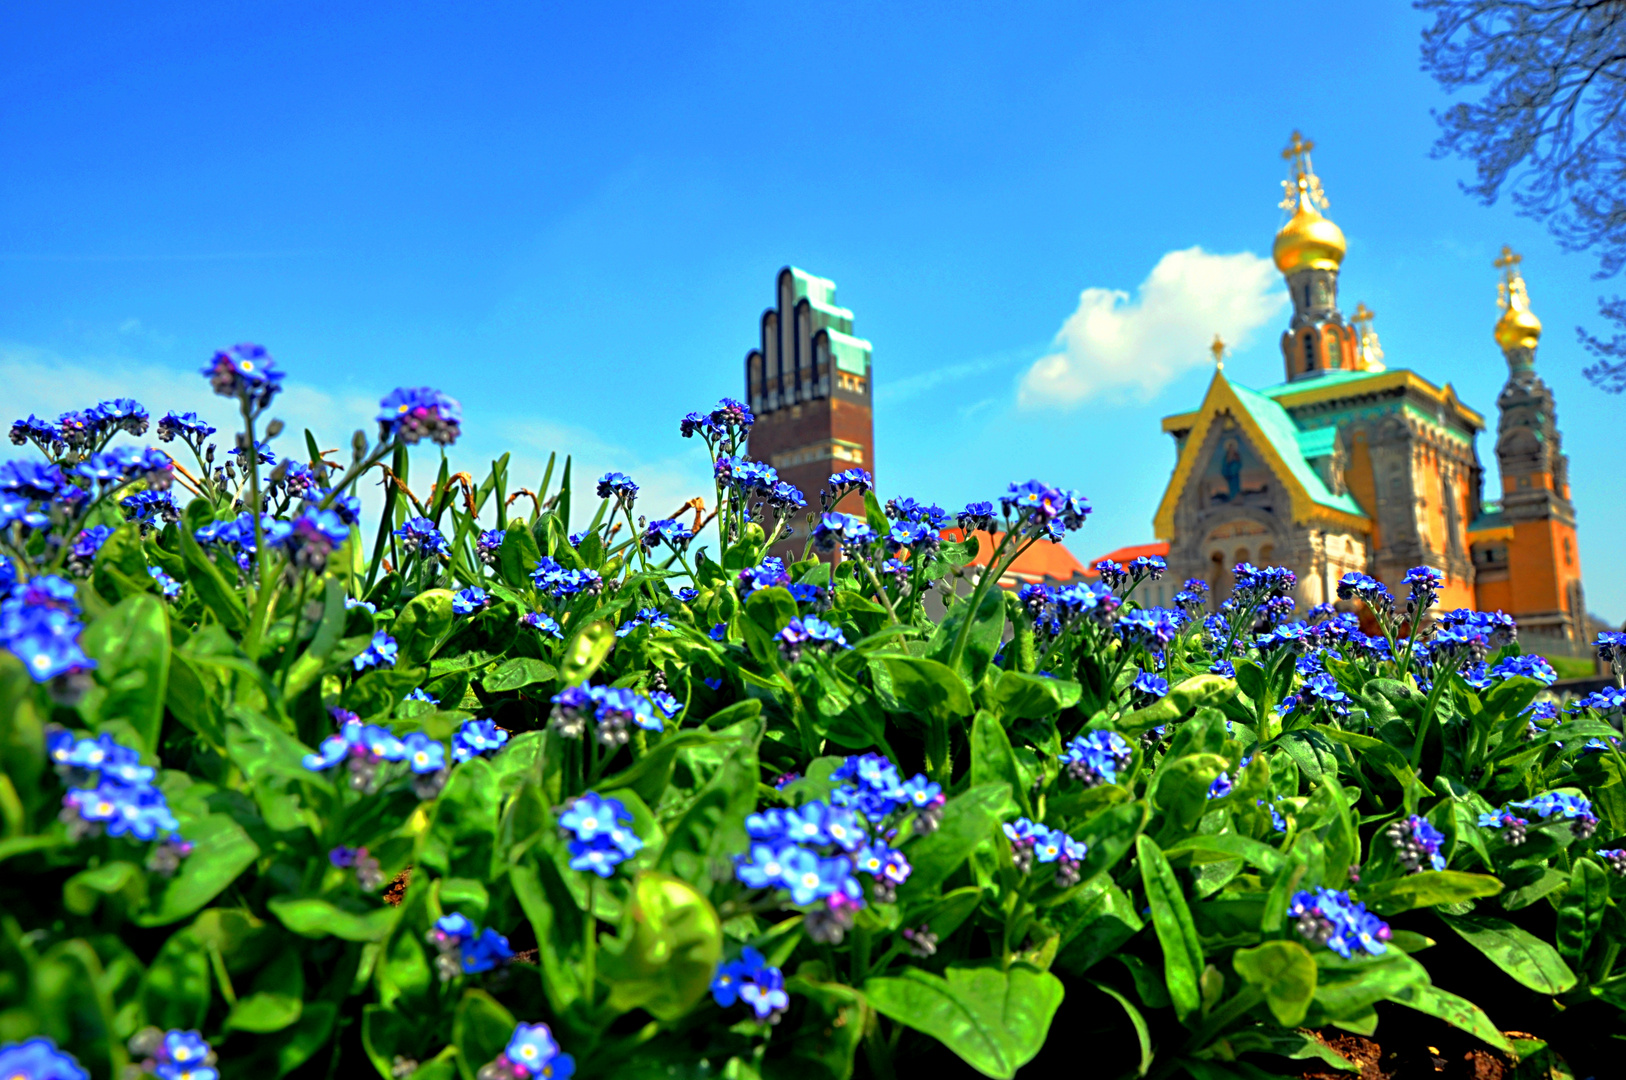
{"type": "Point", "coordinates": [420, 533]}
{"type": "Point", "coordinates": [1331, 918]}
{"type": "Point", "coordinates": [1529, 667]}
{"type": "Point", "coordinates": [765, 575]}
{"type": "Point", "coordinates": [1148, 685]}
{"type": "Point", "coordinates": [618, 486]}
{"type": "Point", "coordinates": [674, 534]}
{"type": "Point", "coordinates": [166, 584]}
{"type": "Point", "coordinates": [764, 868]}
{"type": "Point", "coordinates": [1424, 584]}
{"type": "Point", "coordinates": [556, 581]}
{"type": "Point", "coordinates": [1221, 786]}
{"type": "Point", "coordinates": [1417, 842]}
{"type": "Point", "coordinates": [42, 631]}
{"type": "Point", "coordinates": [149, 508]}
{"type": "Point", "coordinates": [718, 632]}
{"type": "Point", "coordinates": [419, 694]}
{"type": "Point", "coordinates": [245, 371]}
{"type": "Point", "coordinates": [976, 517]}
{"type": "Point", "coordinates": [412, 414]}
{"type": "Point", "coordinates": [187, 425]}
{"type": "Point", "coordinates": [489, 544]}
{"type": "Point", "coordinates": [1096, 757]}
{"type": "Point", "coordinates": [470, 601]}
{"type": "Point", "coordinates": [380, 652]}
{"type": "Point", "coordinates": [533, 1047]}
{"type": "Point", "coordinates": [600, 834]}
{"type": "Point", "coordinates": [475, 738]}
{"type": "Point", "coordinates": [765, 993]}
{"type": "Point", "coordinates": [486, 952]}
{"type": "Point", "coordinates": [423, 754]}
{"type": "Point", "coordinates": [543, 622]}
{"type": "Point", "coordinates": [841, 531]}
{"type": "Point", "coordinates": [851, 480]}
{"type": "Point", "coordinates": [39, 1059]}
{"type": "Point", "coordinates": [732, 414]}
{"type": "Point", "coordinates": [262, 453]}
{"type": "Point", "coordinates": [34, 430]}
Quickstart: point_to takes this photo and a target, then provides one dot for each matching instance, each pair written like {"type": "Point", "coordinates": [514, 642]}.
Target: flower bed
{"type": "Point", "coordinates": [643, 809]}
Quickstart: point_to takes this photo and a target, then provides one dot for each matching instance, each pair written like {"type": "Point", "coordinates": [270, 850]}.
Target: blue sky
{"type": "Point", "coordinates": [570, 217]}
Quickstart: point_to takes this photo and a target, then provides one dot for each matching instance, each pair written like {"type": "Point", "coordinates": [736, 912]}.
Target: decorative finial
{"type": "Point", "coordinates": [1303, 188]}
{"type": "Point", "coordinates": [1511, 291]}
{"type": "Point", "coordinates": [1218, 349]}
{"type": "Point", "coordinates": [1370, 351]}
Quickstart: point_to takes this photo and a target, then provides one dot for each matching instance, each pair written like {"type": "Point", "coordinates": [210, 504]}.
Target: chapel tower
{"type": "Point", "coordinates": [809, 385]}
{"type": "Point", "coordinates": [1308, 251]}
{"type": "Point", "coordinates": [1525, 552]}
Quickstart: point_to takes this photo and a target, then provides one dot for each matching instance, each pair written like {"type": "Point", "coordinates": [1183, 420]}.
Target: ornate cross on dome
{"type": "Point", "coordinates": [1508, 258]}
{"type": "Point", "coordinates": [1218, 349]}
{"type": "Point", "coordinates": [1304, 188]}
{"type": "Point", "coordinates": [1511, 290]}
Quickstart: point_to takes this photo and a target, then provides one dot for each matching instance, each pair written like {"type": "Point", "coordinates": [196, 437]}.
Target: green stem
{"type": "Point", "coordinates": [590, 942]}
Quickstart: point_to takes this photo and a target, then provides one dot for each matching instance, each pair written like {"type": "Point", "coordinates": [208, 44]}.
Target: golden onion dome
{"type": "Point", "coordinates": [1309, 241]}
{"type": "Point", "coordinates": [1518, 328]}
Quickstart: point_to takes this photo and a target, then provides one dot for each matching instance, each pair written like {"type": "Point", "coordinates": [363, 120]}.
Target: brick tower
{"type": "Point", "coordinates": [809, 386]}
{"type": "Point", "coordinates": [1525, 552]}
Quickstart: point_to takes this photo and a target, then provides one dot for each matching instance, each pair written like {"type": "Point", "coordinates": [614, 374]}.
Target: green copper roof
{"type": "Point", "coordinates": [1285, 437]}
{"type": "Point", "coordinates": [820, 294]}
{"type": "Point", "coordinates": [1317, 442]}
{"type": "Point", "coordinates": [1331, 378]}
{"type": "Point", "coordinates": [851, 353]}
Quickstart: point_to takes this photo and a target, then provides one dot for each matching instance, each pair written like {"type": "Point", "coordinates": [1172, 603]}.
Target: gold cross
{"type": "Point", "coordinates": [1297, 149]}
{"type": "Point", "coordinates": [1218, 349]}
{"type": "Point", "coordinates": [1508, 258]}
{"type": "Point", "coordinates": [1363, 314]}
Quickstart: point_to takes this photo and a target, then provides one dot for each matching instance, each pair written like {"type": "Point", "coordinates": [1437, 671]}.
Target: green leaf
{"type": "Point", "coordinates": [996, 1021]}
{"type": "Point", "coordinates": [1580, 910]}
{"type": "Point", "coordinates": [175, 988]}
{"type": "Point", "coordinates": [518, 555]}
{"type": "Point", "coordinates": [82, 892]}
{"type": "Point", "coordinates": [1346, 990]}
{"type": "Point", "coordinates": [1185, 697]}
{"type": "Point", "coordinates": [1171, 918]}
{"type": "Point", "coordinates": [314, 917]}
{"type": "Point", "coordinates": [992, 759]}
{"type": "Point", "coordinates": [928, 688]}
{"type": "Point", "coordinates": [1531, 961]}
{"type": "Point", "coordinates": [1182, 785]}
{"type": "Point", "coordinates": [481, 1028]}
{"type": "Point", "coordinates": [121, 564]}
{"type": "Point", "coordinates": [1285, 971]}
{"type": "Point", "coordinates": [667, 951]}
{"type": "Point", "coordinates": [1457, 1011]}
{"type": "Point", "coordinates": [1428, 889]}
{"type": "Point", "coordinates": [585, 652]}
{"type": "Point", "coordinates": [1142, 1034]}
{"type": "Point", "coordinates": [518, 672]}
{"type": "Point", "coordinates": [824, 1043]}
{"type": "Point", "coordinates": [1019, 696]}
{"type": "Point", "coordinates": [983, 640]}
{"type": "Point", "coordinates": [968, 819]}
{"type": "Point", "coordinates": [1108, 836]}
{"type": "Point", "coordinates": [711, 828]}
{"type": "Point", "coordinates": [221, 851]}
{"type": "Point", "coordinates": [277, 997]}
{"type": "Point", "coordinates": [419, 628]}
{"type": "Point", "coordinates": [1095, 925]}
{"type": "Point", "coordinates": [130, 645]}
{"type": "Point", "coordinates": [204, 576]}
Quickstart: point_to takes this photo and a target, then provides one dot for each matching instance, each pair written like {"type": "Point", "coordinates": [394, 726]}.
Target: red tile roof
{"type": "Point", "coordinates": [1133, 551]}
{"type": "Point", "coordinates": [1045, 561]}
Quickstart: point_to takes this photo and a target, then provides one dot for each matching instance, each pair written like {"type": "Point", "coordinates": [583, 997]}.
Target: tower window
{"type": "Point", "coordinates": [1569, 556]}
{"type": "Point", "coordinates": [1309, 353]}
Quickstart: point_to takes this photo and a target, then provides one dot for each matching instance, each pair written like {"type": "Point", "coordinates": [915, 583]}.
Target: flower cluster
{"type": "Point", "coordinates": [1097, 757]}
{"type": "Point", "coordinates": [369, 872]}
{"type": "Point", "coordinates": [38, 1058]}
{"type": "Point", "coordinates": [185, 426]}
{"type": "Point", "coordinates": [1369, 591]}
{"type": "Point", "coordinates": [558, 582]}
{"type": "Point", "coordinates": [750, 979]}
{"type": "Point", "coordinates": [600, 834]}
{"type": "Point", "coordinates": [722, 428]}
{"type": "Point", "coordinates": [82, 430]}
{"type": "Point", "coordinates": [420, 535]}
{"type": "Point", "coordinates": [1611, 646]}
{"type": "Point", "coordinates": [809, 630]}
{"type": "Point", "coordinates": [842, 532]}
{"type": "Point", "coordinates": [1329, 917]}
{"type": "Point", "coordinates": [477, 738]}
{"type": "Point", "coordinates": [853, 481]}
{"type": "Point", "coordinates": [542, 621]}
{"type": "Point", "coordinates": [654, 618]}
{"type": "Point", "coordinates": [465, 949]}
{"type": "Point", "coordinates": [380, 652]}
{"type": "Point", "coordinates": [1033, 842]}
{"type": "Point", "coordinates": [39, 624]}
{"type": "Point", "coordinates": [409, 415]}
{"type": "Point", "coordinates": [611, 709]}
{"type": "Point", "coordinates": [366, 749]}
{"type": "Point", "coordinates": [674, 534]}
{"type": "Point", "coordinates": [246, 372]}
{"type": "Point", "coordinates": [171, 1055]}
{"type": "Point", "coordinates": [618, 486]}
{"type": "Point", "coordinates": [1057, 608]}
{"type": "Point", "coordinates": [1139, 569]}
{"type": "Point", "coordinates": [1417, 844]}
{"type": "Point", "coordinates": [1572, 808]}
{"type": "Point", "coordinates": [1042, 510]}
{"type": "Point", "coordinates": [532, 1051]}
{"type": "Point", "coordinates": [109, 789]}
{"type": "Point", "coordinates": [1615, 859]}
{"type": "Point", "coordinates": [488, 544]}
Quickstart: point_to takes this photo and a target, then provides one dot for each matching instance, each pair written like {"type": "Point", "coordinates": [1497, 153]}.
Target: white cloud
{"type": "Point", "coordinates": [46, 384]}
{"type": "Point", "coordinates": [1119, 348]}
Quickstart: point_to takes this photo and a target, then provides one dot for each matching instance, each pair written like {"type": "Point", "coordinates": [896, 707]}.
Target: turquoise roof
{"type": "Point", "coordinates": [1331, 378]}
{"type": "Point", "coordinates": [1288, 442]}
{"type": "Point", "coordinates": [851, 354]}
{"type": "Point", "coordinates": [1318, 442]}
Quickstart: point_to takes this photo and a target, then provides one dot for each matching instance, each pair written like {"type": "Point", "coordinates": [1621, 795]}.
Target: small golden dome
{"type": "Point", "coordinates": [1518, 328]}
{"type": "Point", "coordinates": [1309, 241]}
